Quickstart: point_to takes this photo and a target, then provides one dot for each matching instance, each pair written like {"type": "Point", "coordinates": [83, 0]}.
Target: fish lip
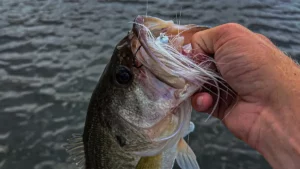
{"type": "Point", "coordinates": [136, 26]}
{"type": "Point", "coordinates": [140, 33]}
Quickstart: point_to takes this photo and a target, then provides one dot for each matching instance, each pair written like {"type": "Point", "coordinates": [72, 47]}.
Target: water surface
{"type": "Point", "coordinates": [52, 53]}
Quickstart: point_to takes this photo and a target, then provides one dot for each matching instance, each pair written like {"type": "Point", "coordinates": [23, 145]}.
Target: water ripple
{"type": "Point", "coordinates": [52, 53]}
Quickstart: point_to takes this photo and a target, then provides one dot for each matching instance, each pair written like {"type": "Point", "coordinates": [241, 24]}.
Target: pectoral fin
{"type": "Point", "coordinates": [75, 149]}
{"type": "Point", "coordinates": [186, 158]}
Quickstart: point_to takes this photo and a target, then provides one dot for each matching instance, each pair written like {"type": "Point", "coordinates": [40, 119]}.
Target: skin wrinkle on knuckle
{"type": "Point", "coordinates": [194, 40]}
{"type": "Point", "coordinates": [237, 70]}
{"type": "Point", "coordinates": [233, 41]}
{"type": "Point", "coordinates": [207, 49]}
{"type": "Point", "coordinates": [228, 32]}
{"type": "Point", "coordinates": [226, 55]}
{"type": "Point", "coordinates": [227, 59]}
{"type": "Point", "coordinates": [243, 73]}
{"type": "Point", "coordinates": [199, 40]}
{"type": "Point", "coordinates": [243, 60]}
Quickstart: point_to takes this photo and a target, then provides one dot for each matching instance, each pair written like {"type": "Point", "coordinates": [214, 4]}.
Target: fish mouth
{"type": "Point", "coordinates": [158, 26]}
{"type": "Point", "coordinates": [179, 35]}
{"type": "Point", "coordinates": [163, 48]}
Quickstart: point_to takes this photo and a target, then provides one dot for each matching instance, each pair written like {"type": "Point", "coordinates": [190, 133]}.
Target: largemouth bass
{"type": "Point", "coordinates": [140, 109]}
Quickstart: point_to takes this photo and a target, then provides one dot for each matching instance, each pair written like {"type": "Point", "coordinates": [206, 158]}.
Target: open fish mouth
{"type": "Point", "coordinates": [169, 75]}
{"type": "Point", "coordinates": [165, 47]}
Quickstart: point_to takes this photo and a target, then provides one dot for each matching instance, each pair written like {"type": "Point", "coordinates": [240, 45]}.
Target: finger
{"type": "Point", "coordinates": [265, 39]}
{"type": "Point", "coordinates": [210, 40]}
{"type": "Point", "coordinates": [201, 102]}
{"type": "Point", "coordinates": [213, 100]}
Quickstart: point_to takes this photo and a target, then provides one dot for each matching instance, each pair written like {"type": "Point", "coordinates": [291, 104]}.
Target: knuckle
{"type": "Point", "coordinates": [231, 33]}
{"type": "Point", "coordinates": [233, 27]}
{"type": "Point", "coordinates": [195, 37]}
{"type": "Point", "coordinates": [233, 30]}
{"type": "Point", "coordinates": [261, 35]}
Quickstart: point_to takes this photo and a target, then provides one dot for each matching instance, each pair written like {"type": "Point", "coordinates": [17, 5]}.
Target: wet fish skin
{"type": "Point", "coordinates": [108, 133]}
{"type": "Point", "coordinates": [104, 132]}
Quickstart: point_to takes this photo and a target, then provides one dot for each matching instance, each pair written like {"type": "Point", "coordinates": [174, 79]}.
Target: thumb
{"type": "Point", "coordinates": [202, 101]}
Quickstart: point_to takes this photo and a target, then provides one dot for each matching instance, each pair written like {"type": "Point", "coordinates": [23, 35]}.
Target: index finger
{"type": "Point", "coordinates": [210, 40]}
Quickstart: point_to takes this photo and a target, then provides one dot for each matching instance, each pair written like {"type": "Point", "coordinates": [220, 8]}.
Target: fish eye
{"type": "Point", "coordinates": [123, 75]}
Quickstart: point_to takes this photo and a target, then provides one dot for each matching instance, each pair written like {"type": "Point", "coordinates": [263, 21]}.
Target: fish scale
{"type": "Point", "coordinates": [102, 145]}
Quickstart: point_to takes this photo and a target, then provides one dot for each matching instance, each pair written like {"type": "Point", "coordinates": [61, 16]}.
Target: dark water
{"type": "Point", "coordinates": [52, 53]}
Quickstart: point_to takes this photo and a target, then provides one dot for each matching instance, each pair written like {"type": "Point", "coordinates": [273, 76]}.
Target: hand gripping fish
{"type": "Point", "coordinates": [140, 109]}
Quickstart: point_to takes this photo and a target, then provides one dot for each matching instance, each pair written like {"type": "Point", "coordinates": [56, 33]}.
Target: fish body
{"type": "Point", "coordinates": [181, 152]}
{"type": "Point", "coordinates": [140, 110]}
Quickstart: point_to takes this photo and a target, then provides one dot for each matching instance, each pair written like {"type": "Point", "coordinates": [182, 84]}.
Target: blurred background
{"type": "Point", "coordinates": [52, 53]}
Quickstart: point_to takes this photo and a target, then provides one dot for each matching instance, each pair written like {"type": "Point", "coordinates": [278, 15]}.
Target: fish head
{"type": "Point", "coordinates": [143, 94]}
{"type": "Point", "coordinates": [166, 76]}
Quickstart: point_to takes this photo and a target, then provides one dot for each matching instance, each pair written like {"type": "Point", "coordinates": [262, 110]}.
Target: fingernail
{"type": "Point", "coordinates": [199, 102]}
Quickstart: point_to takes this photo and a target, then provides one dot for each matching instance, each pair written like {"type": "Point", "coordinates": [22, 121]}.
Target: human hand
{"type": "Point", "coordinates": [265, 112]}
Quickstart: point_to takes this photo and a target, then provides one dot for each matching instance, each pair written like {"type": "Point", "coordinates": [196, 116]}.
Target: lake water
{"type": "Point", "coordinates": [52, 53]}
